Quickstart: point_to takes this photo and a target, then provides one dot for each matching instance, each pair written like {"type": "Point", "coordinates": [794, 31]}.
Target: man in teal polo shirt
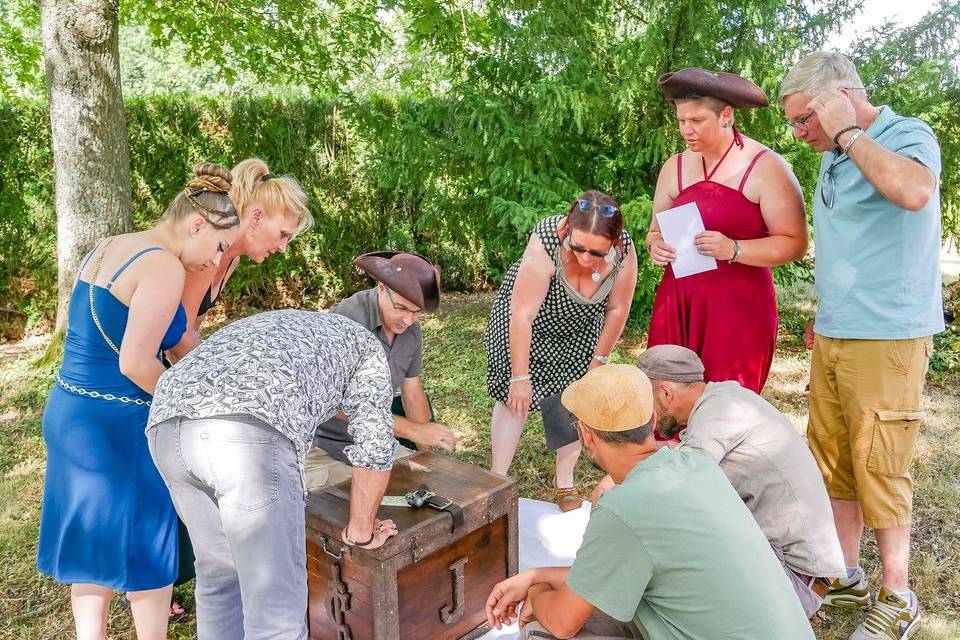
{"type": "Point", "coordinates": [670, 552]}
{"type": "Point", "coordinates": [877, 237]}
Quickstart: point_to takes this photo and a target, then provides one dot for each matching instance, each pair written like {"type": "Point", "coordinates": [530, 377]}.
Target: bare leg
{"type": "Point", "coordinates": [894, 545]}
{"type": "Point", "coordinates": [151, 612]}
{"type": "Point", "coordinates": [505, 430]}
{"type": "Point", "coordinates": [567, 456]}
{"type": "Point", "coordinates": [848, 517]}
{"type": "Point", "coordinates": [90, 604]}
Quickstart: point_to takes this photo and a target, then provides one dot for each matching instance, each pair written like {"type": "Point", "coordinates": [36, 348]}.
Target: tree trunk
{"type": "Point", "coordinates": [91, 157]}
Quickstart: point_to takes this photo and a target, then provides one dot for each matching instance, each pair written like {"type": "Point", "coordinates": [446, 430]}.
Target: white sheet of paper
{"type": "Point", "coordinates": [679, 227]}
{"type": "Point", "coordinates": [548, 538]}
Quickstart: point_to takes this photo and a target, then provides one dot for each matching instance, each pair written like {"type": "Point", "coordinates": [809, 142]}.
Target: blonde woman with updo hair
{"type": "Point", "coordinates": [107, 522]}
{"type": "Point", "coordinates": [273, 210]}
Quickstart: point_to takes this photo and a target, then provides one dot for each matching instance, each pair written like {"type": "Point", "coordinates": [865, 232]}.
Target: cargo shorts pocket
{"type": "Point", "coordinates": [894, 435]}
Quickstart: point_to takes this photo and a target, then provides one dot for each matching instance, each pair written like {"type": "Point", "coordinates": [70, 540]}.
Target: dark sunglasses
{"type": "Point", "coordinates": [606, 210]}
{"type": "Point", "coordinates": [828, 187]}
{"type": "Point", "coordinates": [578, 249]}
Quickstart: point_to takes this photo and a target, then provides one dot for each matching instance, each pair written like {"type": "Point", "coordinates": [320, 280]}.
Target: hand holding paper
{"type": "Point", "coordinates": [680, 226]}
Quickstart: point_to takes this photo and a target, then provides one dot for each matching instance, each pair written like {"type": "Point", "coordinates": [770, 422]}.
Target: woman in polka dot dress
{"type": "Point", "coordinates": [559, 312]}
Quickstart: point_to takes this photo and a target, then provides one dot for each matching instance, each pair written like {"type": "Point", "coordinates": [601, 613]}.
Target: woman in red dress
{"type": "Point", "coordinates": [752, 210]}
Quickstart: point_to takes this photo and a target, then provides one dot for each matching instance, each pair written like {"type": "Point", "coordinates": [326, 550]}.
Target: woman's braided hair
{"type": "Point", "coordinates": [206, 195]}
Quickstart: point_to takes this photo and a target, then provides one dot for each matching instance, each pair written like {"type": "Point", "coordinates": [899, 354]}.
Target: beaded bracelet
{"type": "Point", "coordinates": [521, 378]}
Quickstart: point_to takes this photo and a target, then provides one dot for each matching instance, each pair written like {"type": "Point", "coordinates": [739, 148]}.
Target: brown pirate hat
{"type": "Point", "coordinates": [411, 275]}
{"type": "Point", "coordinates": [736, 91]}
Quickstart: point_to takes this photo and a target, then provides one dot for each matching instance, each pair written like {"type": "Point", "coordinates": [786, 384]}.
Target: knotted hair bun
{"type": "Point", "coordinates": [211, 177]}
{"type": "Point", "coordinates": [206, 194]}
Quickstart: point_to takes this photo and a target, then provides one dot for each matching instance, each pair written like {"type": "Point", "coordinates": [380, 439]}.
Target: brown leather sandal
{"type": "Point", "coordinates": [567, 498]}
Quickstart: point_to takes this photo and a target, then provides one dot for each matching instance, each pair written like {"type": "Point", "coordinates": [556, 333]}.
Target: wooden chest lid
{"type": "Point", "coordinates": [483, 496]}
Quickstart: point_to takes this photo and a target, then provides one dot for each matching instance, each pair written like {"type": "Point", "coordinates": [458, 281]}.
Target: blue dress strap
{"type": "Point", "coordinates": [129, 262]}
{"type": "Point", "coordinates": [86, 260]}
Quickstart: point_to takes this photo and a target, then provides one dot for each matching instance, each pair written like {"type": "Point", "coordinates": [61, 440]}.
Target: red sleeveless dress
{"type": "Point", "coordinates": [728, 316]}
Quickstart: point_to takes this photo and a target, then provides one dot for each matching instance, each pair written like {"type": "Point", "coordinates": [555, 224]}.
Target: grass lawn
{"type": "Point", "coordinates": [33, 606]}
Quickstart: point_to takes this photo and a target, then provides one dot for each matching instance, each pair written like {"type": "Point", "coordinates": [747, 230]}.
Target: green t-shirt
{"type": "Point", "coordinates": [674, 549]}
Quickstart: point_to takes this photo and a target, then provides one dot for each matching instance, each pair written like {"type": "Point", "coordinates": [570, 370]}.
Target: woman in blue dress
{"type": "Point", "coordinates": [107, 520]}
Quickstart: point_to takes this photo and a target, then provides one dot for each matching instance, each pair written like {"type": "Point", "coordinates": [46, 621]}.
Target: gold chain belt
{"type": "Point", "coordinates": [102, 396]}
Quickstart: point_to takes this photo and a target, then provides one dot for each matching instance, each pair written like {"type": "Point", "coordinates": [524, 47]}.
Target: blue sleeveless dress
{"type": "Point", "coordinates": [107, 517]}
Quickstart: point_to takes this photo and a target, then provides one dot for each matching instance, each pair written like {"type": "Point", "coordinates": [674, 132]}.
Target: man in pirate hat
{"type": "Point", "coordinates": [407, 285]}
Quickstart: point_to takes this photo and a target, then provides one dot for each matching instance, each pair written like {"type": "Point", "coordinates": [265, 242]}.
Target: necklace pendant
{"type": "Point", "coordinates": [595, 277]}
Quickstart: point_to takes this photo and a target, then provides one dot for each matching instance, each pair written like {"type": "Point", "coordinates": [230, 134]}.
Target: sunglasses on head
{"type": "Point", "coordinates": [606, 210]}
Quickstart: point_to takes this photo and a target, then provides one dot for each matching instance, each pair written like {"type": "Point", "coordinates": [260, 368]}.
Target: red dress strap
{"type": "Point", "coordinates": [680, 172]}
{"type": "Point", "coordinates": [746, 174]}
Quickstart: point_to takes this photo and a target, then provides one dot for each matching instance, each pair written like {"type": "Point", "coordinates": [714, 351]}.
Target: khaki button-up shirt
{"type": "Point", "coordinates": [772, 470]}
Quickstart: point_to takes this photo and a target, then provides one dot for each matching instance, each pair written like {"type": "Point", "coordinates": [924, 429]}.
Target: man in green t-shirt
{"type": "Point", "coordinates": [670, 552]}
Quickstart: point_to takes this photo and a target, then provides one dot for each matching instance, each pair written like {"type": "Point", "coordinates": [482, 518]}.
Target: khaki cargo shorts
{"type": "Point", "coordinates": [866, 408]}
{"type": "Point", "coordinates": [322, 470]}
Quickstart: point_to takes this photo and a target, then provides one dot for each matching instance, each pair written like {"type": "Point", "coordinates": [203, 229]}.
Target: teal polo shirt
{"type": "Point", "coordinates": [878, 265]}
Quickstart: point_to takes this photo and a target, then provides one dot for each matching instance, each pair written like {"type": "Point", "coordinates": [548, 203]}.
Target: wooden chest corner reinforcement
{"type": "Point", "coordinates": [426, 583]}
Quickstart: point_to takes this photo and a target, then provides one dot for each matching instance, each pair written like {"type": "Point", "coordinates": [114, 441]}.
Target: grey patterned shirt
{"type": "Point", "coordinates": [294, 370]}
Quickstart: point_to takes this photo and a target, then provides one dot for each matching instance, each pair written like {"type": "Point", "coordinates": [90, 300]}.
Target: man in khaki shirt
{"type": "Point", "coordinates": [762, 455]}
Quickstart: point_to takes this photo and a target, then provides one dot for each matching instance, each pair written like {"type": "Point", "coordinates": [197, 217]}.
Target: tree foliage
{"type": "Point", "coordinates": [20, 64]}
{"type": "Point", "coordinates": [452, 126]}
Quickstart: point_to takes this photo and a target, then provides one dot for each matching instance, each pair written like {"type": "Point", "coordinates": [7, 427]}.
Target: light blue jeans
{"type": "Point", "coordinates": [235, 482]}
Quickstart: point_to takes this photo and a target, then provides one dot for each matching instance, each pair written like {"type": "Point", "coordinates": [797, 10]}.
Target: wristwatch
{"type": "Point", "coordinates": [737, 248]}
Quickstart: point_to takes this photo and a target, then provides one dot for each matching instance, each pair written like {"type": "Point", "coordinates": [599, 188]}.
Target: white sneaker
{"type": "Point", "coordinates": [850, 593]}
{"type": "Point", "coordinates": [889, 619]}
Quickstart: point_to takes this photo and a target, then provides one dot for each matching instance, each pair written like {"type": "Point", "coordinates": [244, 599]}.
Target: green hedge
{"type": "Point", "coordinates": [461, 181]}
{"type": "Point", "coordinates": [393, 173]}
{"type": "Point", "coordinates": [28, 224]}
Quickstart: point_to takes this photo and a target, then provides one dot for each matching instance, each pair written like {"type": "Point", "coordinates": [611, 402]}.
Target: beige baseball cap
{"type": "Point", "coordinates": [611, 397]}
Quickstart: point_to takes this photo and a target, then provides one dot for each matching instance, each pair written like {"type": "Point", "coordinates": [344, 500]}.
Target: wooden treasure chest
{"type": "Point", "coordinates": [432, 579]}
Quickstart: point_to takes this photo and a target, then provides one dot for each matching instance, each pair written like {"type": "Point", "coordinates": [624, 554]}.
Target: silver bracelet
{"type": "Point", "coordinates": [737, 248]}
{"type": "Point", "coordinates": [525, 376]}
{"type": "Point", "coordinates": [601, 359]}
{"type": "Point", "coordinates": [852, 139]}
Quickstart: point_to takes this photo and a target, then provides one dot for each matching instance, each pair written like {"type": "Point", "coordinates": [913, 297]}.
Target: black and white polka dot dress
{"type": "Point", "coordinates": [565, 329]}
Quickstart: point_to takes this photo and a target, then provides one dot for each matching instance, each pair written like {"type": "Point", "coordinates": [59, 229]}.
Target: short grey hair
{"type": "Point", "coordinates": [819, 72]}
